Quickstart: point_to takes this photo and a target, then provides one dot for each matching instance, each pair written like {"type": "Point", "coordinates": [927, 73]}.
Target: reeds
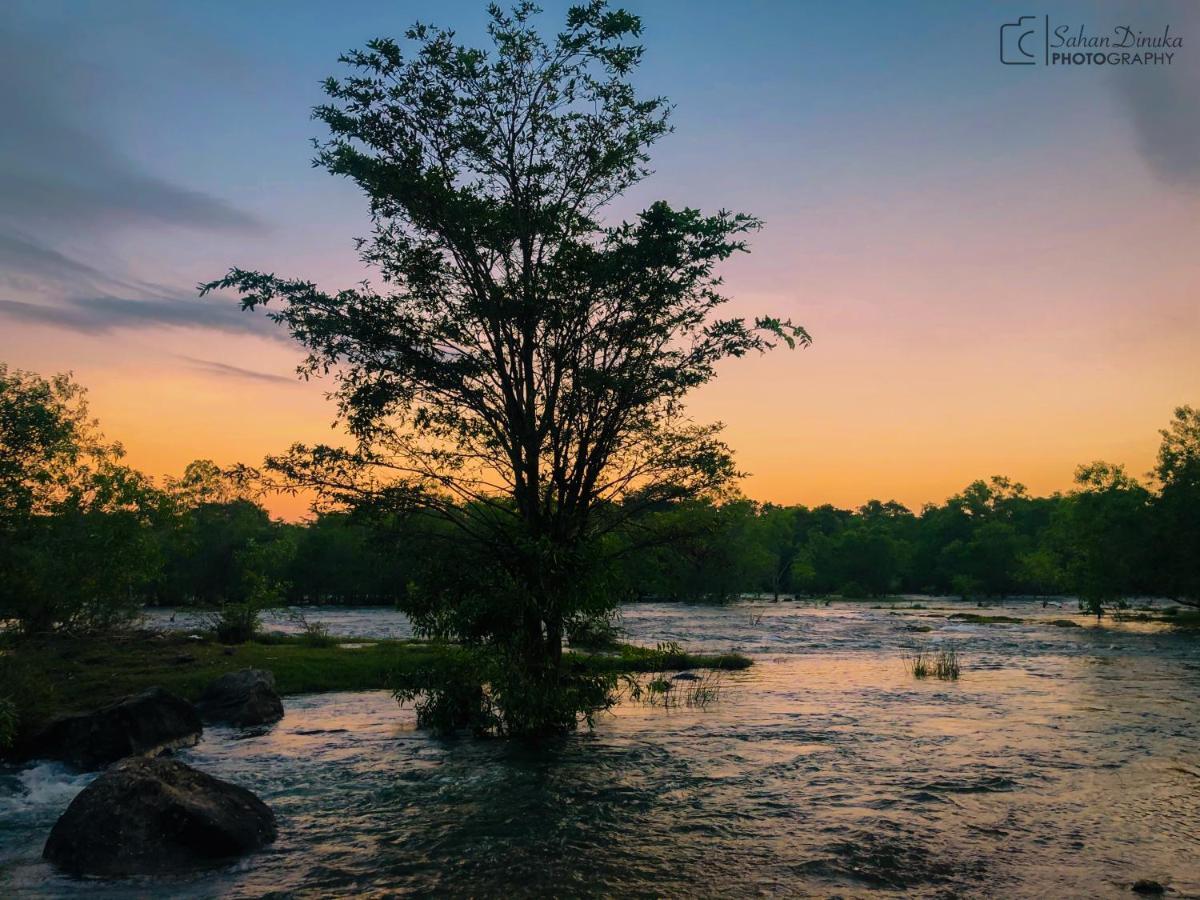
{"type": "Point", "coordinates": [698, 691]}
{"type": "Point", "coordinates": [943, 663]}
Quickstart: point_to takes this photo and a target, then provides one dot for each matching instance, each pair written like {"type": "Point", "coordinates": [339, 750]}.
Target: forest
{"type": "Point", "coordinates": [89, 541]}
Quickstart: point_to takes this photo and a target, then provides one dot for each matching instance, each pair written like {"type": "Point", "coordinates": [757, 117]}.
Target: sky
{"type": "Point", "coordinates": [998, 264]}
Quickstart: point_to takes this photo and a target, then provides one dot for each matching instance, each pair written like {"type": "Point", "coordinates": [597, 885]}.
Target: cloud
{"type": "Point", "coordinates": [21, 255]}
{"type": "Point", "coordinates": [1163, 102]}
{"type": "Point", "coordinates": [104, 314]}
{"type": "Point", "coordinates": [58, 169]}
{"type": "Point", "coordinates": [227, 371]}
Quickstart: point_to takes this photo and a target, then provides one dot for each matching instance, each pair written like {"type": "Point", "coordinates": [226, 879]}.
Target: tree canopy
{"type": "Point", "coordinates": [522, 368]}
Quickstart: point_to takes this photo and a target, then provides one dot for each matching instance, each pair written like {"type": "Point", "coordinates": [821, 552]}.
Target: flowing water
{"type": "Point", "coordinates": [1065, 762]}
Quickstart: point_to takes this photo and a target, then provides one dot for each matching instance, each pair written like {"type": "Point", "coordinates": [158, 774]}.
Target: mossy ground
{"type": "Point", "coordinates": [60, 675]}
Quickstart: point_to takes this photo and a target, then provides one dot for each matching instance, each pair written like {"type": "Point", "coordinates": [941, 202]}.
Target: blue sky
{"type": "Point", "coordinates": [926, 208]}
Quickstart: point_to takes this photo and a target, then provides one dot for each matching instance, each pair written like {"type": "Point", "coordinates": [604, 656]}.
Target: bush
{"type": "Point", "coordinates": [593, 632]}
{"type": "Point", "coordinates": [487, 692]}
{"type": "Point", "coordinates": [236, 623]}
{"type": "Point", "coordinates": [315, 634]}
{"type": "Point", "coordinates": [24, 699]}
{"type": "Point", "coordinates": [453, 698]}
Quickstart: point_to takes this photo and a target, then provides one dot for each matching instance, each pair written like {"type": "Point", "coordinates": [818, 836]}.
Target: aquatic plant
{"type": "Point", "coordinates": [698, 691]}
{"type": "Point", "coordinates": [944, 663]}
{"type": "Point", "coordinates": [656, 687]}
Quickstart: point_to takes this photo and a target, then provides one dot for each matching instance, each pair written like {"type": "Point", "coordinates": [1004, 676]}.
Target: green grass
{"type": "Point", "coordinates": [665, 657]}
{"type": "Point", "coordinates": [980, 619]}
{"type": "Point", "coordinates": [944, 664]}
{"type": "Point", "coordinates": [60, 675]}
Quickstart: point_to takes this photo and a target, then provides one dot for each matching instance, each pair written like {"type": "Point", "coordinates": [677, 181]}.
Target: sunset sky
{"type": "Point", "coordinates": [998, 264]}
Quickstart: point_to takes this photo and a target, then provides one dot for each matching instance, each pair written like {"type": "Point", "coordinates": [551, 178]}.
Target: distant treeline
{"type": "Point", "coordinates": [86, 541]}
{"type": "Point", "coordinates": [1110, 538]}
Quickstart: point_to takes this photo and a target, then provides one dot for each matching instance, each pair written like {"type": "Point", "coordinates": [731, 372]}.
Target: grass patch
{"type": "Point", "coordinates": [48, 677]}
{"type": "Point", "coordinates": [943, 664]}
{"type": "Point", "coordinates": [1180, 616]}
{"type": "Point", "coordinates": [665, 657]}
{"type": "Point", "coordinates": [980, 619]}
{"type": "Point", "coordinates": [664, 692]}
{"type": "Point", "coordinates": [655, 686]}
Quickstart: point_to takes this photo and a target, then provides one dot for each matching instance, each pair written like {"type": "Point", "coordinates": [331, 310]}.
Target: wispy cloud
{"type": "Point", "coordinates": [103, 314]}
{"type": "Point", "coordinates": [227, 371]}
{"type": "Point", "coordinates": [64, 184]}
{"type": "Point", "coordinates": [58, 170]}
{"type": "Point", "coordinates": [22, 256]}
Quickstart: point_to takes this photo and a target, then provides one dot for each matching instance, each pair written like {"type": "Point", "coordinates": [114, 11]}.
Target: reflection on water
{"type": "Point", "coordinates": [1062, 764]}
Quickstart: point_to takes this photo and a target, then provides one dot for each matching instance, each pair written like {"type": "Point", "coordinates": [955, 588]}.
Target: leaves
{"type": "Point", "coordinates": [521, 371]}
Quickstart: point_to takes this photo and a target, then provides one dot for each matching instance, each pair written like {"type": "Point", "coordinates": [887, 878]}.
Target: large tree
{"type": "Point", "coordinates": [522, 369]}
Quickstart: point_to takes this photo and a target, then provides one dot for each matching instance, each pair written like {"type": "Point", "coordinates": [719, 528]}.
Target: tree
{"type": "Point", "coordinates": [76, 540]}
{"type": "Point", "coordinates": [777, 534]}
{"type": "Point", "coordinates": [524, 372]}
{"type": "Point", "coordinates": [1101, 532]}
{"type": "Point", "coordinates": [1177, 506]}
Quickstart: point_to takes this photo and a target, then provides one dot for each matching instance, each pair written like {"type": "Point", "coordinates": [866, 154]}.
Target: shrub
{"type": "Point", "coordinates": [24, 699]}
{"type": "Point", "coordinates": [235, 623]}
{"type": "Point", "coordinates": [593, 632]}
{"type": "Point", "coordinates": [488, 693]}
{"type": "Point", "coordinates": [316, 634]}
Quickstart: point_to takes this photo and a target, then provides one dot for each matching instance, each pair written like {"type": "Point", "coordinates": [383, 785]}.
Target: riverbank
{"type": "Point", "coordinates": [53, 676]}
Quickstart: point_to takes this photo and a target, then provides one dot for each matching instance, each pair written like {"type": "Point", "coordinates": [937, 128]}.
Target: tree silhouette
{"type": "Point", "coordinates": [524, 368]}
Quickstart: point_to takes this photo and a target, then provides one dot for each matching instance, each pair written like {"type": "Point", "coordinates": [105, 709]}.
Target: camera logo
{"type": "Point", "coordinates": [1018, 40]}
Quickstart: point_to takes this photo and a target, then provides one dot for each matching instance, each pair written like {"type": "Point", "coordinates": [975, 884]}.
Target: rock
{"type": "Point", "coordinates": [246, 697]}
{"type": "Point", "coordinates": [1148, 888]}
{"type": "Point", "coordinates": [151, 816]}
{"type": "Point", "coordinates": [145, 724]}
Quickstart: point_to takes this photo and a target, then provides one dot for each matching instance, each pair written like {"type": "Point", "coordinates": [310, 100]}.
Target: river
{"type": "Point", "coordinates": [1065, 762]}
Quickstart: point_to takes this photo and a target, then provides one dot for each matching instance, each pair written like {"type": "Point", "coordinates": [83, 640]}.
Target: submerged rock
{"type": "Point", "coordinates": [152, 816]}
{"type": "Point", "coordinates": [148, 723]}
{"type": "Point", "coordinates": [1148, 888]}
{"type": "Point", "coordinates": [246, 697]}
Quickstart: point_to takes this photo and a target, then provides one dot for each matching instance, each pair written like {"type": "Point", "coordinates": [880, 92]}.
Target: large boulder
{"type": "Point", "coordinates": [148, 723]}
{"type": "Point", "coordinates": [153, 816]}
{"type": "Point", "coordinates": [242, 698]}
